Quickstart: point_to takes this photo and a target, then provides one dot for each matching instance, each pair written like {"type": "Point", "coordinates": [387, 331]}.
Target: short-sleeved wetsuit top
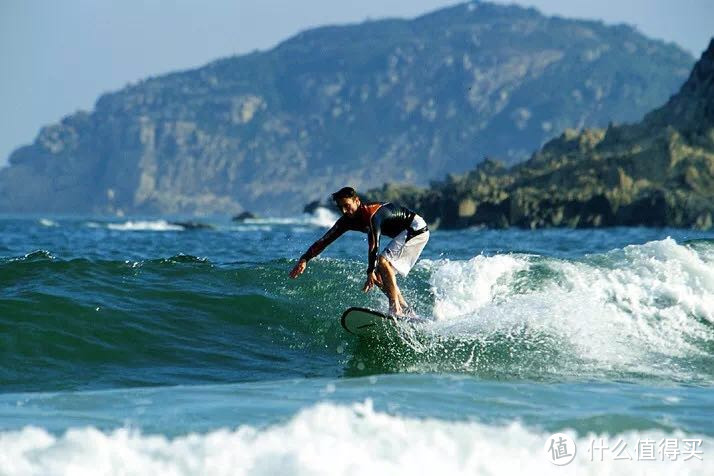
{"type": "Point", "coordinates": [375, 219]}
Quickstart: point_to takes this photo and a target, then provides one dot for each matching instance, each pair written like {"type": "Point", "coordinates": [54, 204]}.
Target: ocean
{"type": "Point", "coordinates": [134, 346]}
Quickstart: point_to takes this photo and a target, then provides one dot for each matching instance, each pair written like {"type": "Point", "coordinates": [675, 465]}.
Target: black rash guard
{"type": "Point", "coordinates": [375, 219]}
{"type": "Point", "coordinates": [388, 220]}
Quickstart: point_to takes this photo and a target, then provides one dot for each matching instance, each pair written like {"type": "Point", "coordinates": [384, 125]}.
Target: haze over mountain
{"type": "Point", "coordinates": [392, 100]}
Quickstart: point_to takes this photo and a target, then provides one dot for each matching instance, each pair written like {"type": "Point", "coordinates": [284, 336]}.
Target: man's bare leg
{"type": "Point", "coordinates": [380, 285]}
{"type": "Point", "coordinates": [389, 282]}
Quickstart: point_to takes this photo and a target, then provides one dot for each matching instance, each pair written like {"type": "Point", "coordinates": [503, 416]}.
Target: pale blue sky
{"type": "Point", "coordinates": [58, 56]}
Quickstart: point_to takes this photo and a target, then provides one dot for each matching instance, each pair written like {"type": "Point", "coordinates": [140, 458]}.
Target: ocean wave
{"type": "Point", "coordinates": [337, 439]}
{"type": "Point", "coordinates": [183, 258]}
{"type": "Point", "coordinates": [323, 217]}
{"type": "Point", "coordinates": [47, 222]}
{"type": "Point", "coordinates": [320, 217]}
{"type": "Point", "coordinates": [33, 256]}
{"type": "Point", "coordinates": [643, 311]}
{"type": "Point", "coordinates": [145, 225]}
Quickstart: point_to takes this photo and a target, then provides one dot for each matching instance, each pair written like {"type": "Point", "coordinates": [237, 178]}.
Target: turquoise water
{"type": "Point", "coordinates": [135, 346]}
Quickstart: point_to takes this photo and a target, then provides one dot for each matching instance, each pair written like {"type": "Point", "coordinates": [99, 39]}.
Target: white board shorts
{"type": "Point", "coordinates": [403, 254]}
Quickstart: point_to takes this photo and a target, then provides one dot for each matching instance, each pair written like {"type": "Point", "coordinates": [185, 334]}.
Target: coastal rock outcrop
{"type": "Point", "coordinates": [656, 172]}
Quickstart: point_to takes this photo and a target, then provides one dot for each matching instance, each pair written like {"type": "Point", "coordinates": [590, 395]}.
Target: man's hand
{"type": "Point", "coordinates": [371, 279]}
{"type": "Point", "coordinates": [298, 269]}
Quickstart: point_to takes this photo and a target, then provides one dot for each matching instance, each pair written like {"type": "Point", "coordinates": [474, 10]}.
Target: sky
{"type": "Point", "coordinates": [57, 57]}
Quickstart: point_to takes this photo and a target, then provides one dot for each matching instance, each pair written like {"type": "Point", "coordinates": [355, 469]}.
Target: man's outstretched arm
{"type": "Point", "coordinates": [331, 235]}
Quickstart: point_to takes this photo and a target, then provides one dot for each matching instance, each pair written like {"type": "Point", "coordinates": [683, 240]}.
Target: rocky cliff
{"type": "Point", "coordinates": [393, 100]}
{"type": "Point", "coordinates": [657, 172]}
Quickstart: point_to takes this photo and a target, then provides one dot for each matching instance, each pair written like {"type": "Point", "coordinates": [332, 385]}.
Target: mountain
{"type": "Point", "coordinates": [657, 172]}
{"type": "Point", "coordinates": [392, 100]}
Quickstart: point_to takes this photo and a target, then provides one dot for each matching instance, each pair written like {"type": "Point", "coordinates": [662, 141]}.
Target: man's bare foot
{"type": "Point", "coordinates": [397, 311]}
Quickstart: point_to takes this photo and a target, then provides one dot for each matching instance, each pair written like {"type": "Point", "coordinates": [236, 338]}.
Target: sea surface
{"type": "Point", "coordinates": [135, 346]}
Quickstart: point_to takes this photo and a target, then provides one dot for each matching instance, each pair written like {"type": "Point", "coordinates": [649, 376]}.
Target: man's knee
{"type": "Point", "coordinates": [383, 264]}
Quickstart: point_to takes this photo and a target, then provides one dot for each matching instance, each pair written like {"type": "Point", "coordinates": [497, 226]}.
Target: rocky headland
{"type": "Point", "coordinates": [656, 172]}
{"type": "Point", "coordinates": [391, 100]}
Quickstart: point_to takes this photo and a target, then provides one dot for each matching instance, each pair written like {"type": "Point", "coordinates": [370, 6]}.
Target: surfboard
{"type": "Point", "coordinates": [362, 322]}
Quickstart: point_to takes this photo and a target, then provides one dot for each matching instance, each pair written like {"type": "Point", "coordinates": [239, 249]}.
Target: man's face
{"type": "Point", "coordinates": [348, 206]}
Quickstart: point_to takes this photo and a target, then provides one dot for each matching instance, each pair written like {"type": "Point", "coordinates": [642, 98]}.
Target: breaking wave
{"type": "Point", "coordinates": [332, 439]}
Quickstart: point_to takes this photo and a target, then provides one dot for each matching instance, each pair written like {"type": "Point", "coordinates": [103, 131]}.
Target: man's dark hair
{"type": "Point", "coordinates": [344, 192]}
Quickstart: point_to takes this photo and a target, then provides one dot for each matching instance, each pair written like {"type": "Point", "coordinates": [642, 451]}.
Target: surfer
{"type": "Point", "coordinates": [408, 231]}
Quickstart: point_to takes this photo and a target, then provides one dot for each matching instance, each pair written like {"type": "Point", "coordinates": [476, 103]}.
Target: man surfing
{"type": "Point", "coordinates": [408, 231]}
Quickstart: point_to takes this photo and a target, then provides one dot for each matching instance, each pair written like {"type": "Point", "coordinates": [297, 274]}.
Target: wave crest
{"type": "Point", "coordinates": [323, 439]}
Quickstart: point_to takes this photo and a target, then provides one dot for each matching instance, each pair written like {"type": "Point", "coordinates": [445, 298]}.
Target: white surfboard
{"type": "Point", "coordinates": [361, 321]}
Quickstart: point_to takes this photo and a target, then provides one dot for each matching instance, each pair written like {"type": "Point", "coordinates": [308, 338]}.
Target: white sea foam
{"type": "Point", "coordinates": [329, 439]}
{"type": "Point", "coordinates": [320, 217]}
{"type": "Point", "coordinates": [243, 228]}
{"type": "Point", "coordinates": [323, 217]}
{"type": "Point", "coordinates": [626, 309]}
{"type": "Point", "coordinates": [47, 222]}
{"type": "Point", "coordinates": [144, 225]}
{"type": "Point", "coordinates": [463, 287]}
